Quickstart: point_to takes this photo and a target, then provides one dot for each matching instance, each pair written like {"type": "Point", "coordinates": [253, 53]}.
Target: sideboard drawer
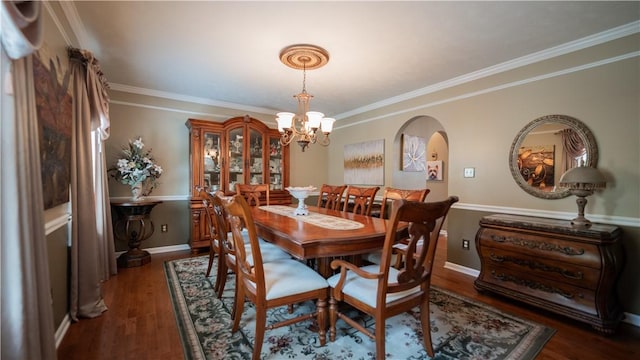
{"type": "Point", "coordinates": [540, 290]}
{"type": "Point", "coordinates": [566, 272]}
{"type": "Point", "coordinates": [548, 247]}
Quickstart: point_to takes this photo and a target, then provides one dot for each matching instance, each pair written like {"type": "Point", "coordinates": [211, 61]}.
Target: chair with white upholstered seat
{"type": "Point", "coordinates": [273, 284]}
{"type": "Point", "coordinates": [270, 252]}
{"type": "Point", "coordinates": [383, 291]}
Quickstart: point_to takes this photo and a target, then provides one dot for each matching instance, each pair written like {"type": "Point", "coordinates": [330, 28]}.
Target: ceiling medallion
{"type": "Point", "coordinates": [304, 56]}
{"type": "Point", "coordinates": [305, 127]}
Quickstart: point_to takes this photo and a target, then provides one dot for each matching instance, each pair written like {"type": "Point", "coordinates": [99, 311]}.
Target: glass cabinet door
{"type": "Point", "coordinates": [236, 158]}
{"type": "Point", "coordinates": [256, 166]}
{"type": "Point", "coordinates": [275, 164]}
{"type": "Point", "coordinates": [212, 177]}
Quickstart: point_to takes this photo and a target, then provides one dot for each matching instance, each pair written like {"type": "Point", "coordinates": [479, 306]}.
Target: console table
{"type": "Point", "coordinates": [134, 225]}
{"type": "Point", "coordinates": [551, 264]}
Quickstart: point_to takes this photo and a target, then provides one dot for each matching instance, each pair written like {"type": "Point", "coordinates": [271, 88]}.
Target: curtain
{"type": "Point", "coordinates": [27, 316]}
{"type": "Point", "coordinates": [572, 148]}
{"type": "Point", "coordinates": [92, 248]}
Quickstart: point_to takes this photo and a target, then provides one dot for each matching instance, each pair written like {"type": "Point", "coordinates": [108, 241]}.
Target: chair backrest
{"type": "Point", "coordinates": [425, 221]}
{"type": "Point", "coordinates": [389, 194]}
{"type": "Point", "coordinates": [250, 273]}
{"type": "Point", "coordinates": [207, 204]}
{"type": "Point", "coordinates": [220, 219]}
{"type": "Point", "coordinates": [253, 193]}
{"type": "Point", "coordinates": [330, 196]}
{"type": "Point", "coordinates": [359, 200]}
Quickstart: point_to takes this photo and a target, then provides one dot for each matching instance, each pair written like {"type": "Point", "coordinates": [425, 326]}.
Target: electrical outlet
{"type": "Point", "coordinates": [164, 228]}
{"type": "Point", "coordinates": [465, 244]}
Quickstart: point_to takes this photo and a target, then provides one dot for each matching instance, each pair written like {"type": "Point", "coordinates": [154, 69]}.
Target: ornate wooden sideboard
{"type": "Point", "coordinates": [550, 264]}
{"type": "Point", "coordinates": [241, 150]}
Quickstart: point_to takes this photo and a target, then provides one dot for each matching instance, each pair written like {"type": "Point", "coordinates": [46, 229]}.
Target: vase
{"type": "Point", "coordinates": [136, 192]}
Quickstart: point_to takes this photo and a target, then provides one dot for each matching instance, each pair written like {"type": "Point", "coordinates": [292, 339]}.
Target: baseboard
{"type": "Point", "coordinates": [162, 249]}
{"type": "Point", "coordinates": [629, 318]}
{"type": "Point", "coordinates": [62, 329]}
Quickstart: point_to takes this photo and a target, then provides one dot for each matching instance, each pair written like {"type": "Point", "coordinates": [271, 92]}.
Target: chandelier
{"type": "Point", "coordinates": [305, 127]}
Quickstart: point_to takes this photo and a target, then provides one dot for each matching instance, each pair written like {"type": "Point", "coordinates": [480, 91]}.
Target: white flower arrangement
{"type": "Point", "coordinates": [137, 167]}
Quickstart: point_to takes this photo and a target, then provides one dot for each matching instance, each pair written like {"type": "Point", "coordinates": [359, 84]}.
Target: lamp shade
{"type": "Point", "coordinates": [583, 178]}
{"type": "Point", "coordinates": [285, 120]}
{"type": "Point", "coordinates": [327, 125]}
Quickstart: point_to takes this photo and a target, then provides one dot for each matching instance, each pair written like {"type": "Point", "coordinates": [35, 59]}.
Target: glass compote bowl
{"type": "Point", "coordinates": [301, 193]}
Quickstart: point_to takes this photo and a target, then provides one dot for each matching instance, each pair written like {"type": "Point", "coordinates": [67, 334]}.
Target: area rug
{"type": "Point", "coordinates": [461, 328]}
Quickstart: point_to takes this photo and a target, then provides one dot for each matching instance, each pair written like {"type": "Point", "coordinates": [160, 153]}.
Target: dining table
{"type": "Point", "coordinates": [323, 234]}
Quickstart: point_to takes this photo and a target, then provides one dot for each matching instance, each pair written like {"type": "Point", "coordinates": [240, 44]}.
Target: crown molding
{"type": "Point", "coordinates": [583, 43]}
{"type": "Point", "coordinates": [187, 98]}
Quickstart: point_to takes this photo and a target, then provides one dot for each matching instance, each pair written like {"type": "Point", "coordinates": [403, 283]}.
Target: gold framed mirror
{"type": "Point", "coordinates": [545, 149]}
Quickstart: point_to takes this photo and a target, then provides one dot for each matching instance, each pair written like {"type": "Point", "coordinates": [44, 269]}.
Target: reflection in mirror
{"type": "Point", "coordinates": [546, 148]}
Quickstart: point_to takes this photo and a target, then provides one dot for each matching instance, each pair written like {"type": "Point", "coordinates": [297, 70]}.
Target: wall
{"type": "Point", "coordinates": [598, 86]}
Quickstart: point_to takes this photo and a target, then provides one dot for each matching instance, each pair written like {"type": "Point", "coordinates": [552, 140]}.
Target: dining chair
{"type": "Point", "coordinates": [359, 200]}
{"type": "Point", "coordinates": [273, 284]}
{"type": "Point", "coordinates": [227, 252]}
{"type": "Point", "coordinates": [390, 194]}
{"type": "Point", "coordinates": [330, 196]}
{"type": "Point", "coordinates": [214, 244]}
{"type": "Point", "coordinates": [383, 291]}
{"type": "Point", "coordinates": [254, 192]}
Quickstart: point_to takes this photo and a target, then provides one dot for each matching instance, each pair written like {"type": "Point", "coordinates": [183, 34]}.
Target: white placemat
{"type": "Point", "coordinates": [321, 220]}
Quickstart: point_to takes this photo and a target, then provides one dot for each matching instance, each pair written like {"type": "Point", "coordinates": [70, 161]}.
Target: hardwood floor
{"type": "Point", "coordinates": [140, 323]}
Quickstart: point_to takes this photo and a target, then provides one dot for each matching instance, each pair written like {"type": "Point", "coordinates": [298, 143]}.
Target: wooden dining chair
{"type": "Point", "coordinates": [214, 244]}
{"type": "Point", "coordinates": [359, 200]}
{"type": "Point", "coordinates": [253, 193]}
{"type": "Point", "coordinates": [273, 284]}
{"type": "Point", "coordinates": [330, 196]}
{"type": "Point", "coordinates": [390, 194]}
{"type": "Point", "coordinates": [383, 291]}
{"type": "Point", "coordinates": [227, 253]}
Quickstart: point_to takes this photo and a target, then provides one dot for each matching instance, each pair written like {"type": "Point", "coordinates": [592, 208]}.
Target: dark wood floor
{"type": "Point", "coordinates": [140, 322]}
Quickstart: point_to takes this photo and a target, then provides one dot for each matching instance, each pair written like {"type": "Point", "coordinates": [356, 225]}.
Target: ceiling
{"type": "Point", "coordinates": [227, 53]}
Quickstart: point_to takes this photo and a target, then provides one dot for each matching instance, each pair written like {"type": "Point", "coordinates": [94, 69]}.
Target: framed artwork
{"type": "Point", "coordinates": [435, 170]}
{"type": "Point", "coordinates": [364, 163]}
{"type": "Point", "coordinates": [54, 111]}
{"type": "Point", "coordinates": [536, 164]}
{"type": "Point", "coordinates": [413, 153]}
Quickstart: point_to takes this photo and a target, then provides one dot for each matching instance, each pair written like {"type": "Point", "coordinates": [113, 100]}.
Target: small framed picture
{"type": "Point", "coordinates": [434, 170]}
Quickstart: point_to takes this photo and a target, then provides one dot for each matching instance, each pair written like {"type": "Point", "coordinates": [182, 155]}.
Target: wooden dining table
{"type": "Point", "coordinates": [304, 240]}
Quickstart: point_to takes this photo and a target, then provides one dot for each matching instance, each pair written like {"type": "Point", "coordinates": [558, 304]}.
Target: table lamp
{"type": "Point", "coordinates": [581, 182]}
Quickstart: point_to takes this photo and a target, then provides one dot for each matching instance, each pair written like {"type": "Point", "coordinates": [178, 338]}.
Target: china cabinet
{"type": "Point", "coordinates": [241, 150]}
{"type": "Point", "coordinates": [551, 264]}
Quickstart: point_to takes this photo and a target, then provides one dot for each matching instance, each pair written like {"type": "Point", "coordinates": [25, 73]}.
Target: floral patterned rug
{"type": "Point", "coordinates": [461, 328]}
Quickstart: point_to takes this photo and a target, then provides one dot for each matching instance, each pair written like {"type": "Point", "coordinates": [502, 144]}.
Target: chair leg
{"type": "Point", "coordinates": [322, 320]}
{"type": "Point", "coordinates": [212, 254]}
{"type": "Point", "coordinates": [261, 323]}
{"type": "Point", "coordinates": [426, 326]}
{"type": "Point", "coordinates": [221, 281]}
{"type": "Point", "coordinates": [238, 306]}
{"type": "Point", "coordinates": [380, 339]}
{"type": "Point", "coordinates": [333, 317]}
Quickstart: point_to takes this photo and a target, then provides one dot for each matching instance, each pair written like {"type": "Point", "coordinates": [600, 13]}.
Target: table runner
{"type": "Point", "coordinates": [321, 220]}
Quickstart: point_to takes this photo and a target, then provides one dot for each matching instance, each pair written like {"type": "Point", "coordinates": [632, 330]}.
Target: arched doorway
{"type": "Point", "coordinates": [436, 149]}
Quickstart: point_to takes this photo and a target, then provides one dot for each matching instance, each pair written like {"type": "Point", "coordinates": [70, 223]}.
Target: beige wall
{"type": "Point", "coordinates": [481, 120]}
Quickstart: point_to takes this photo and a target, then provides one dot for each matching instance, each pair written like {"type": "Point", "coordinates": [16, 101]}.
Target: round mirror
{"type": "Point", "coordinates": [545, 149]}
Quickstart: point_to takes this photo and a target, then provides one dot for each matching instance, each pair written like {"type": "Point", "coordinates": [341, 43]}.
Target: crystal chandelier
{"type": "Point", "coordinates": [305, 127]}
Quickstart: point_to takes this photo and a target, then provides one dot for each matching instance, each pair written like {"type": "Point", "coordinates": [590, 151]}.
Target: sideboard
{"type": "Point", "coordinates": [551, 264]}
